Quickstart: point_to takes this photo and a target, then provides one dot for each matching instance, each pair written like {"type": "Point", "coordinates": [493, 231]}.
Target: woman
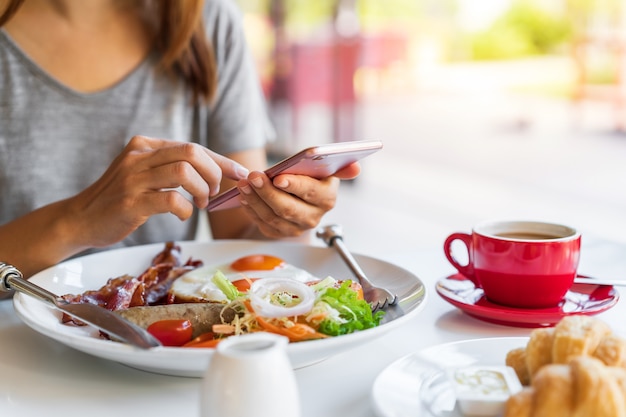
{"type": "Point", "coordinates": [114, 116]}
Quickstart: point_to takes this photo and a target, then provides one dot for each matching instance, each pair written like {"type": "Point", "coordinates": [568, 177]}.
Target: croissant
{"type": "Point", "coordinates": [585, 387]}
{"type": "Point", "coordinates": [573, 336]}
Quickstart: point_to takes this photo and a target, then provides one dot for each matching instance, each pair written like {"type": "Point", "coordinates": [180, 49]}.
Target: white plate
{"type": "Point", "coordinates": [92, 271]}
{"type": "Point", "coordinates": [416, 385]}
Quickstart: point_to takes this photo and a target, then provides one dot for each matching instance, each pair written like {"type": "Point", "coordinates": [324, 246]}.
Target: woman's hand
{"type": "Point", "coordinates": [147, 179]}
{"type": "Point", "coordinates": [290, 204]}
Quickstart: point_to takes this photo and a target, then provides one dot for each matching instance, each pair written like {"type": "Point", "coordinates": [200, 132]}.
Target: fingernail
{"type": "Point", "coordinates": [281, 183]}
{"type": "Point", "coordinates": [245, 189]}
{"type": "Point", "coordinates": [257, 182]}
{"type": "Point", "coordinates": [242, 171]}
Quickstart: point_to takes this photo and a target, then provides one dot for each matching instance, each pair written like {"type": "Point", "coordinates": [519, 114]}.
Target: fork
{"type": "Point", "coordinates": [378, 298]}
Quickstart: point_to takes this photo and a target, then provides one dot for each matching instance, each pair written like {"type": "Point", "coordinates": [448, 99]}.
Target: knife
{"type": "Point", "coordinates": [102, 319]}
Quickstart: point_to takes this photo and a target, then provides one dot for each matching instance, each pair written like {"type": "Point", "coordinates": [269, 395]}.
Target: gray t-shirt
{"type": "Point", "coordinates": [55, 142]}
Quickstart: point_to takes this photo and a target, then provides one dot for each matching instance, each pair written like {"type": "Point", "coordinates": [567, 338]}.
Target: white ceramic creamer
{"type": "Point", "coordinates": [250, 376]}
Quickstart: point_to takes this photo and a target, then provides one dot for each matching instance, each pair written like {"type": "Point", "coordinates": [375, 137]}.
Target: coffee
{"type": "Point", "coordinates": [526, 235]}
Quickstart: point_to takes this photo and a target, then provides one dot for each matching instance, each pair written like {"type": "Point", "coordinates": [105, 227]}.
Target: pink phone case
{"type": "Point", "coordinates": [317, 161]}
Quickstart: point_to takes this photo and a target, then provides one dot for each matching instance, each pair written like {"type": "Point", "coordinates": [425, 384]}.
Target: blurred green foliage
{"type": "Point", "coordinates": [376, 14]}
{"type": "Point", "coordinates": [307, 14]}
{"type": "Point", "coordinates": [527, 28]}
{"type": "Point", "coordinates": [582, 13]}
{"type": "Point", "coordinates": [524, 30]}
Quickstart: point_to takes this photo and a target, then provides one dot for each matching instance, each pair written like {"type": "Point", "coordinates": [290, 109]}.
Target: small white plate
{"type": "Point", "coordinates": [92, 271]}
{"type": "Point", "coordinates": [417, 384]}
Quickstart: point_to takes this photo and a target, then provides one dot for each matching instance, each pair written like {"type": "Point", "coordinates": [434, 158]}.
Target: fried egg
{"type": "Point", "coordinates": [196, 285]}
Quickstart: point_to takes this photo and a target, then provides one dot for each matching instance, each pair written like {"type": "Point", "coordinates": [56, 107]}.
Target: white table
{"type": "Point", "coordinates": [41, 377]}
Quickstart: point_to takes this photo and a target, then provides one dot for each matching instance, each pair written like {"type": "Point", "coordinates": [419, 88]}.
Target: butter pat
{"type": "Point", "coordinates": [483, 390]}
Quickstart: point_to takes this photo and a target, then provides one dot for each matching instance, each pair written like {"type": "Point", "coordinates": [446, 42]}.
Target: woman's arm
{"type": "Point", "coordinates": [141, 182]}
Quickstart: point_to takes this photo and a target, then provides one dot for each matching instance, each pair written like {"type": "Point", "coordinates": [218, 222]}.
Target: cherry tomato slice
{"type": "Point", "coordinates": [356, 287]}
{"type": "Point", "coordinates": [243, 285]}
{"type": "Point", "coordinates": [257, 262]}
{"type": "Point", "coordinates": [171, 332]}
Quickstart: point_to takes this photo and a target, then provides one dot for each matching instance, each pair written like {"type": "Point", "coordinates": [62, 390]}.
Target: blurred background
{"type": "Point", "coordinates": [487, 109]}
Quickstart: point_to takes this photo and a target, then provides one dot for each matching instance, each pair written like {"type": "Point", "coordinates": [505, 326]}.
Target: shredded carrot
{"type": "Point", "coordinates": [315, 318]}
{"type": "Point", "coordinates": [206, 340]}
{"type": "Point", "coordinates": [223, 329]}
{"type": "Point", "coordinates": [296, 333]}
{"type": "Point", "coordinates": [205, 344]}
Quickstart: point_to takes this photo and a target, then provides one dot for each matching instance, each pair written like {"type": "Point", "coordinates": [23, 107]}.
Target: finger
{"type": "Point", "coordinates": [230, 168]}
{"type": "Point", "coordinates": [174, 175]}
{"type": "Point", "coordinates": [258, 192]}
{"type": "Point", "coordinates": [159, 202]}
{"type": "Point", "coordinates": [280, 209]}
{"type": "Point", "coordinates": [270, 224]}
{"type": "Point", "coordinates": [149, 153]}
{"type": "Point", "coordinates": [349, 172]}
{"type": "Point", "coordinates": [210, 165]}
{"type": "Point", "coordinates": [265, 228]}
{"type": "Point", "coordinates": [319, 193]}
{"type": "Point", "coordinates": [197, 157]}
{"type": "Point", "coordinates": [146, 143]}
{"type": "Point", "coordinates": [250, 188]}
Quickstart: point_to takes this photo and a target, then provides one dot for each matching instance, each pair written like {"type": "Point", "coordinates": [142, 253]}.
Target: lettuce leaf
{"type": "Point", "coordinates": [230, 291]}
{"type": "Point", "coordinates": [355, 314]}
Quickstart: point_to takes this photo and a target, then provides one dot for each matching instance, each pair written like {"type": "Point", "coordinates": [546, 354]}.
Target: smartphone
{"type": "Point", "coordinates": [317, 161]}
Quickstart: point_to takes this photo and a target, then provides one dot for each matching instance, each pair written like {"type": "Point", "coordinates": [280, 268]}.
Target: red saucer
{"type": "Point", "coordinates": [585, 299]}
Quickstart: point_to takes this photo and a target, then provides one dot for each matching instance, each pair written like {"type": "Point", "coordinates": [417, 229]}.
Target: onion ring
{"type": "Point", "coordinates": [262, 291]}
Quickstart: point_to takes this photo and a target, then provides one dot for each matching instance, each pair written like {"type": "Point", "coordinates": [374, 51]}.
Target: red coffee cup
{"type": "Point", "coordinates": [522, 264]}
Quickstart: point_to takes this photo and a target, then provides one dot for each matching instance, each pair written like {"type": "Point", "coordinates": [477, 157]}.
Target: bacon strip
{"type": "Point", "coordinates": [149, 288]}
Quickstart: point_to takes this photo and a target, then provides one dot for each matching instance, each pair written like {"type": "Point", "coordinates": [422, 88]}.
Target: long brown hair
{"type": "Point", "coordinates": [179, 36]}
